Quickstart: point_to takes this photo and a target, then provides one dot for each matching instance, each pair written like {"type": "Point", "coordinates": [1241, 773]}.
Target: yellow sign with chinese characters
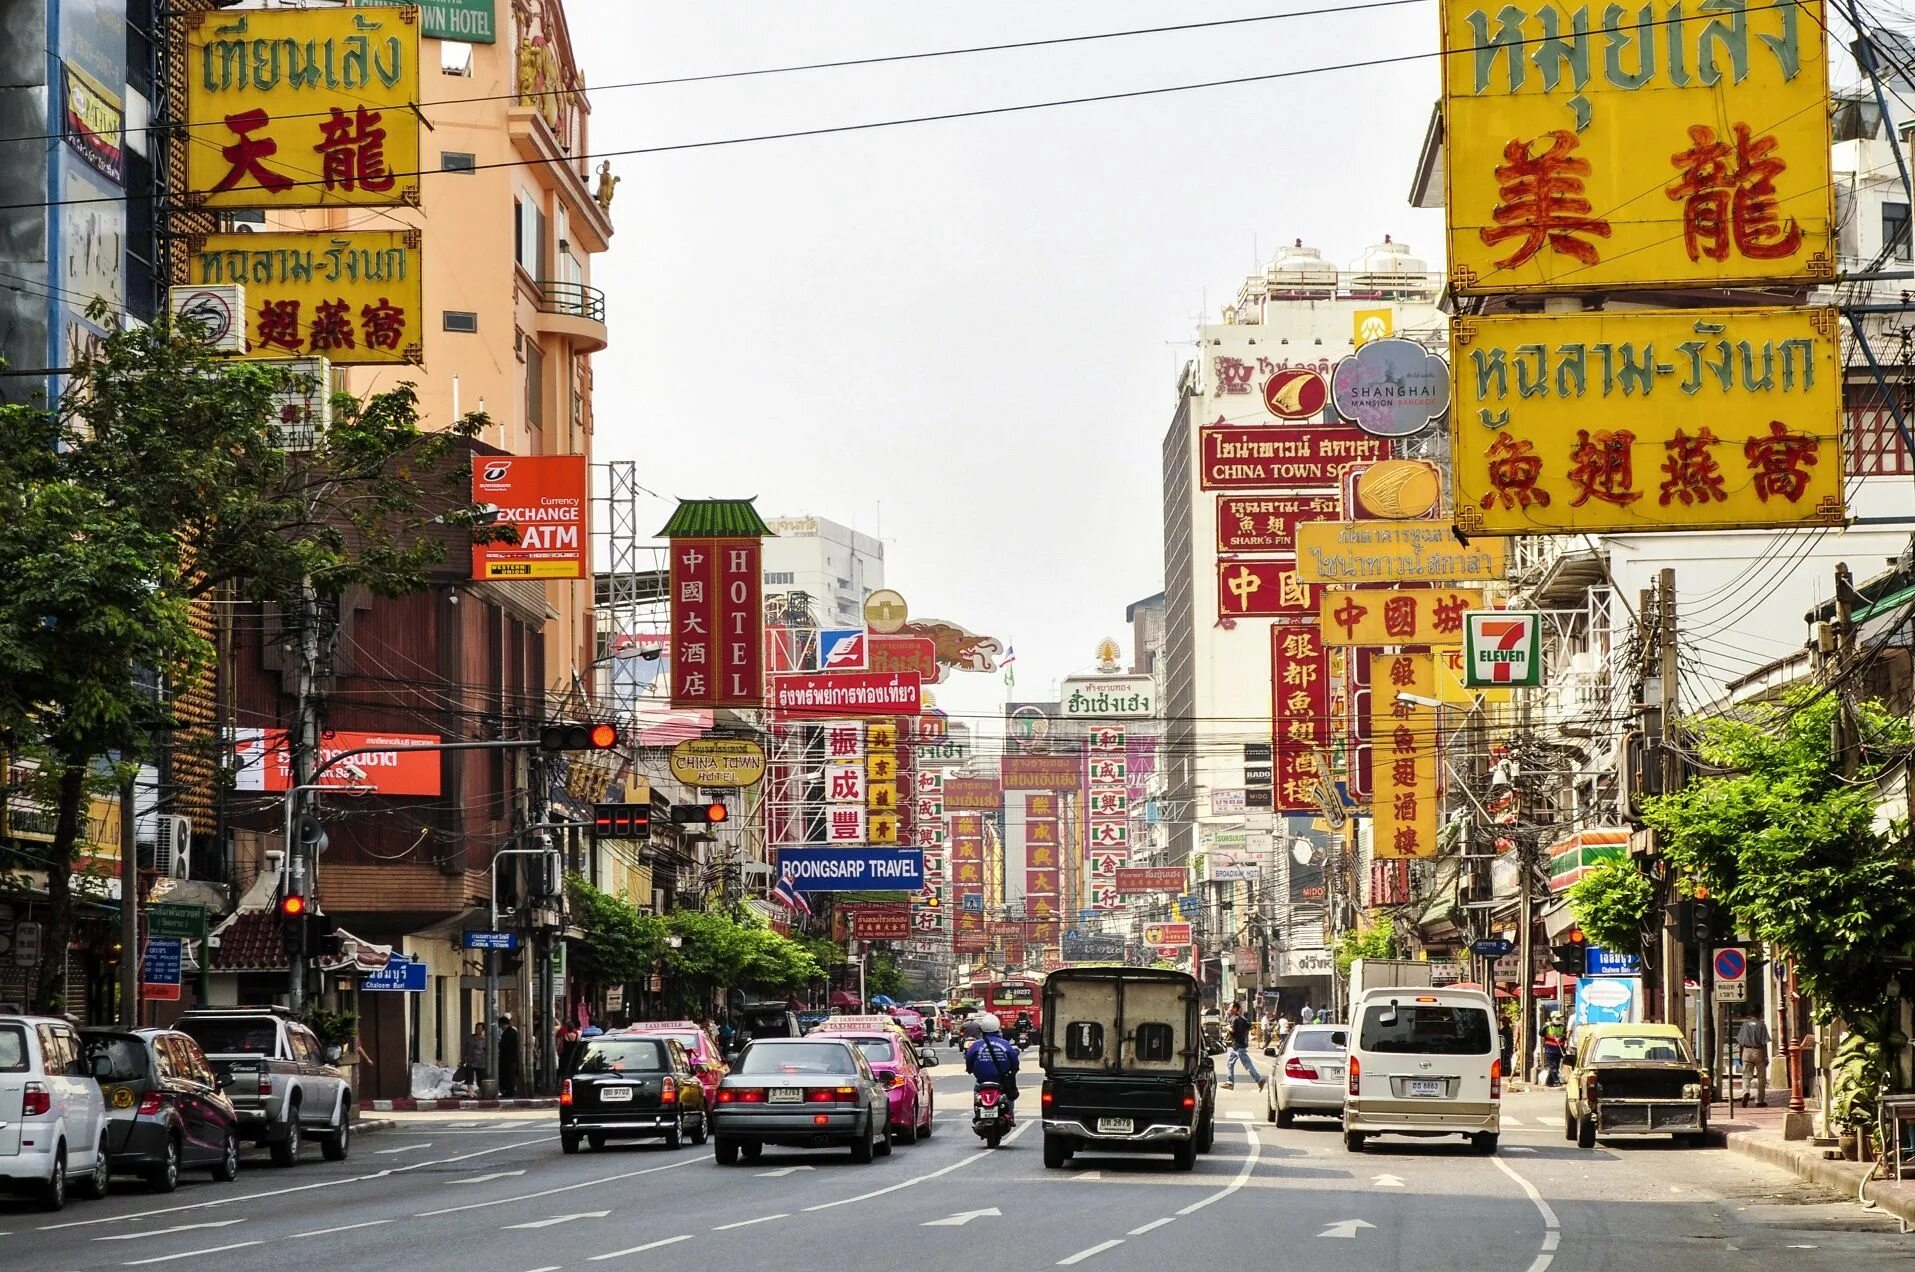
{"type": "Point", "coordinates": [296, 108]}
{"type": "Point", "coordinates": [1592, 146]}
{"type": "Point", "coordinates": [1390, 616]}
{"type": "Point", "coordinates": [1350, 552]}
{"type": "Point", "coordinates": [1403, 755]}
{"type": "Point", "coordinates": [352, 297]}
{"type": "Point", "coordinates": [1698, 419]}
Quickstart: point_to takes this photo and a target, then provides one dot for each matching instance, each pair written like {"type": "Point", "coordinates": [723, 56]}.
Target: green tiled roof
{"type": "Point", "coordinates": [715, 519]}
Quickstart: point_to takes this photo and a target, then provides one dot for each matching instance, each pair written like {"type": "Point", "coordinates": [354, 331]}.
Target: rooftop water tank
{"type": "Point", "coordinates": [1300, 270]}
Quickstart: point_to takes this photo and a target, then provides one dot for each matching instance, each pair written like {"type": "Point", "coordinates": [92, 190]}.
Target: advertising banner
{"type": "Point", "coordinates": [1299, 714]}
{"type": "Point", "coordinates": [916, 654]}
{"type": "Point", "coordinates": [1560, 429]}
{"type": "Point", "coordinates": [1604, 148]}
{"type": "Point", "coordinates": [1350, 552]}
{"type": "Point", "coordinates": [718, 762]}
{"type": "Point", "coordinates": [263, 762]}
{"type": "Point", "coordinates": [1093, 947]}
{"type": "Point", "coordinates": [1428, 616]}
{"type": "Point", "coordinates": [1504, 650]}
{"type": "Point", "coordinates": [351, 296]}
{"type": "Point", "coordinates": [1282, 457]}
{"type": "Point", "coordinates": [858, 693]}
{"type": "Point", "coordinates": [1037, 773]}
{"type": "Point", "coordinates": [851, 869]}
{"type": "Point", "coordinates": [1135, 879]}
{"type": "Point", "coordinates": [1167, 934]}
{"type": "Point", "coordinates": [878, 921]}
{"type": "Point", "coordinates": [1403, 766]}
{"type": "Point", "coordinates": [1107, 697]}
{"type": "Point", "coordinates": [1268, 523]}
{"type": "Point", "coordinates": [544, 498]}
{"type": "Point", "coordinates": [1263, 589]}
{"type": "Point", "coordinates": [297, 108]}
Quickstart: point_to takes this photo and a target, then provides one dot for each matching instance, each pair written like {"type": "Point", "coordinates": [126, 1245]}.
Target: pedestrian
{"type": "Point", "coordinates": [472, 1057]}
{"type": "Point", "coordinates": [1284, 1026]}
{"type": "Point", "coordinates": [566, 1038]}
{"type": "Point", "coordinates": [1239, 1027]}
{"type": "Point", "coordinates": [1752, 1042]}
{"type": "Point", "coordinates": [1309, 1016]}
{"type": "Point", "coordinates": [508, 1058]}
{"type": "Point", "coordinates": [1553, 1038]}
{"type": "Point", "coordinates": [1506, 1038]}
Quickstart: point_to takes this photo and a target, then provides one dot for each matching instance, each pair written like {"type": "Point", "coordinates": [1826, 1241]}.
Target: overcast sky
{"type": "Point", "coordinates": [968, 333]}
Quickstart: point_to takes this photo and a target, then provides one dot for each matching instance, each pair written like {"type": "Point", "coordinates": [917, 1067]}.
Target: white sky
{"type": "Point", "coordinates": [976, 325]}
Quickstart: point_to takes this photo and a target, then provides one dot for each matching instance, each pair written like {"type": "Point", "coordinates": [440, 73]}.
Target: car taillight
{"type": "Point", "coordinates": [1190, 1098]}
{"type": "Point", "coordinates": [831, 1095]}
{"type": "Point", "coordinates": [1356, 1073]}
{"type": "Point", "coordinates": [1496, 1079]}
{"type": "Point", "coordinates": [265, 1082]}
{"type": "Point", "coordinates": [741, 1095]}
{"type": "Point", "coordinates": [38, 1100]}
{"type": "Point", "coordinates": [149, 1104]}
{"type": "Point", "coordinates": [887, 1079]}
{"type": "Point", "coordinates": [668, 1091]}
{"type": "Point", "coordinates": [1047, 1097]}
{"type": "Point", "coordinates": [1295, 1068]}
{"type": "Point", "coordinates": [565, 1093]}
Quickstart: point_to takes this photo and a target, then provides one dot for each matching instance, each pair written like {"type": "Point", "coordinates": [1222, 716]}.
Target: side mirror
{"type": "Point", "coordinates": [1271, 1052]}
{"type": "Point", "coordinates": [333, 1054]}
{"type": "Point", "coordinates": [100, 1067]}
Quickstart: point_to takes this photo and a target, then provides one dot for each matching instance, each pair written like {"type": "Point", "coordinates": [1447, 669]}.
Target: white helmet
{"type": "Point", "coordinates": [990, 1024]}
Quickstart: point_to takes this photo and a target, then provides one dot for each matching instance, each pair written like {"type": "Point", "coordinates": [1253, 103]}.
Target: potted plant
{"type": "Point", "coordinates": [338, 1033]}
{"type": "Point", "coordinates": [1856, 1078]}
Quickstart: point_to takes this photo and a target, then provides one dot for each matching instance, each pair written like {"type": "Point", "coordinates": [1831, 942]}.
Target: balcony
{"type": "Point", "coordinates": [575, 311]}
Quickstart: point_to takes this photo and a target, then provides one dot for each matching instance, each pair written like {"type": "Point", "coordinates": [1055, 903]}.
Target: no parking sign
{"type": "Point", "coordinates": [1732, 975]}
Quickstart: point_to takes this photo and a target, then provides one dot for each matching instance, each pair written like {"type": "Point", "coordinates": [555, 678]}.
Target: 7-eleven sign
{"type": "Point", "coordinates": [1502, 649]}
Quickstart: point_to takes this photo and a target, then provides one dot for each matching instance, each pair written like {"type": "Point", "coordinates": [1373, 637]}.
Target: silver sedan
{"type": "Point", "coordinates": [1310, 1076]}
{"type": "Point", "coordinates": [801, 1092]}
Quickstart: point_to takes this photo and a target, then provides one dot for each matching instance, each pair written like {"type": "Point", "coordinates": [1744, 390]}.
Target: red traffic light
{"type": "Point", "coordinates": [1575, 936]}
{"type": "Point", "coordinates": [292, 906]}
{"type": "Point", "coordinates": [716, 812]}
{"type": "Point", "coordinates": [603, 737]}
{"type": "Point", "coordinates": [597, 736]}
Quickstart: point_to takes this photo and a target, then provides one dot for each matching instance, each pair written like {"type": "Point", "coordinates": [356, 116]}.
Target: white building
{"type": "Point", "coordinates": [835, 566]}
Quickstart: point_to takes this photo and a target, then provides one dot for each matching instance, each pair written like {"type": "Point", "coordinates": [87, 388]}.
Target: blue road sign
{"type": "Point", "coordinates": [1731, 964]}
{"type": "Point", "coordinates": [1492, 947]}
{"type": "Point", "coordinates": [852, 869]}
{"type": "Point", "coordinates": [492, 940]}
{"type": "Point", "coordinates": [974, 902]}
{"type": "Point", "coordinates": [1602, 962]}
{"type": "Point", "coordinates": [401, 974]}
{"type": "Point", "coordinates": [160, 970]}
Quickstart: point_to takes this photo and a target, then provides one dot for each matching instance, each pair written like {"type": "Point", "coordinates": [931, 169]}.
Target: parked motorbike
{"type": "Point", "coordinates": [991, 1115]}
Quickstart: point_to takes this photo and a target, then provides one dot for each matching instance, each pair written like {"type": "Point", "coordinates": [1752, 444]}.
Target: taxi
{"type": "Point", "coordinates": [913, 1022]}
{"type": "Point", "coordinates": [895, 1061]}
{"type": "Point", "coordinates": [706, 1060]}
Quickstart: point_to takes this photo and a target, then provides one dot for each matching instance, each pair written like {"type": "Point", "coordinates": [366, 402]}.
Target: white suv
{"type": "Point", "coordinates": [52, 1113]}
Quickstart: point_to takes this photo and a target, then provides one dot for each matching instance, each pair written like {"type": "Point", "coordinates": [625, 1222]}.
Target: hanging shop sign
{"type": "Point", "coordinates": [1350, 552]}
{"type": "Point", "coordinates": [851, 869]}
{"type": "Point", "coordinates": [718, 762]}
{"type": "Point", "coordinates": [353, 297]}
{"type": "Point", "coordinates": [95, 120]}
{"type": "Point", "coordinates": [1261, 457]}
{"type": "Point", "coordinates": [468, 21]}
{"type": "Point", "coordinates": [718, 646]}
{"type": "Point", "coordinates": [1390, 616]}
{"type": "Point", "coordinates": [1263, 589]}
{"type": "Point", "coordinates": [1167, 934]}
{"type": "Point", "coordinates": [1403, 763]}
{"type": "Point", "coordinates": [1392, 388]}
{"type": "Point", "coordinates": [1107, 697]}
{"type": "Point", "coordinates": [1503, 649]}
{"type": "Point", "coordinates": [1295, 393]}
{"type": "Point", "coordinates": [262, 761]}
{"type": "Point", "coordinates": [1299, 713]}
{"type": "Point", "coordinates": [543, 498]}
{"type": "Point", "coordinates": [1135, 879]}
{"type": "Point", "coordinates": [1648, 420]}
{"type": "Point", "coordinates": [916, 654]}
{"type": "Point", "coordinates": [1602, 148]}
{"type": "Point", "coordinates": [849, 693]}
{"type": "Point", "coordinates": [296, 108]}
{"type": "Point", "coordinates": [1268, 523]}
{"type": "Point", "coordinates": [1395, 490]}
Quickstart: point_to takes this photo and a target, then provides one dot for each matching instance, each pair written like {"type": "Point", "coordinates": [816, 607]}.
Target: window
{"type": "Point", "coordinates": [797, 1057]}
{"type": "Point", "coordinates": [1084, 1040]}
{"type": "Point", "coordinates": [1895, 229]}
{"type": "Point", "coordinates": [456, 161]}
{"type": "Point", "coordinates": [1156, 1043]}
{"type": "Point", "coordinates": [1408, 1029]}
{"type": "Point", "coordinates": [528, 237]}
{"type": "Point", "coordinates": [534, 385]}
{"type": "Point", "coordinates": [13, 1049]}
{"type": "Point", "coordinates": [232, 1036]}
{"type": "Point", "coordinates": [460, 320]}
{"type": "Point", "coordinates": [785, 577]}
{"type": "Point", "coordinates": [877, 1049]}
{"type": "Point", "coordinates": [455, 57]}
{"type": "Point", "coordinates": [622, 1057]}
{"type": "Point", "coordinates": [125, 1054]}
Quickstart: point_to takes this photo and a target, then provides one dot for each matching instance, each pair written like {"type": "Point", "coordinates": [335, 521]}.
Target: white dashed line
{"type": "Point", "coordinates": [640, 1249]}
{"type": "Point", "coordinates": [191, 1254]}
{"type": "Point", "coordinates": [1081, 1255]}
{"type": "Point", "coordinates": [345, 1227]}
{"type": "Point", "coordinates": [1152, 1226]}
{"type": "Point", "coordinates": [746, 1223]}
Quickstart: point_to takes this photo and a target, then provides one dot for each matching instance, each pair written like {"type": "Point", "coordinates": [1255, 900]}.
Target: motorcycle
{"type": "Point", "coordinates": [991, 1115]}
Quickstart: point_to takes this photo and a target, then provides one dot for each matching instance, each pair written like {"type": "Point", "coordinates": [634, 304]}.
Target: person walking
{"type": "Point", "coordinates": [472, 1057]}
{"type": "Point", "coordinates": [508, 1058]}
{"type": "Point", "coordinates": [1752, 1043]}
{"type": "Point", "coordinates": [1553, 1037]}
{"type": "Point", "coordinates": [1239, 1028]}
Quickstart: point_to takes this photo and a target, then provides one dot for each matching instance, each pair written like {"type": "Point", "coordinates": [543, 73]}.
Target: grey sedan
{"type": "Point", "coordinates": [1311, 1077]}
{"type": "Point", "coordinates": [800, 1092]}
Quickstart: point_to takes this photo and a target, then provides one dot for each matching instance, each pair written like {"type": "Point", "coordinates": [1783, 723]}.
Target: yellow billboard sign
{"type": "Point", "coordinates": [1613, 147]}
{"type": "Point", "coordinates": [1350, 552]}
{"type": "Point", "coordinates": [1450, 689]}
{"type": "Point", "coordinates": [1403, 755]}
{"type": "Point", "coordinates": [296, 108]}
{"type": "Point", "coordinates": [1392, 616]}
{"type": "Point", "coordinates": [1647, 420]}
{"type": "Point", "coordinates": [352, 297]}
{"type": "Point", "coordinates": [718, 762]}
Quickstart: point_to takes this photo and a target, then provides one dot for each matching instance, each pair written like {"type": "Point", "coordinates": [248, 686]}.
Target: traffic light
{"type": "Point", "coordinates": [595, 736]}
{"type": "Point", "coordinates": [710, 814]}
{"type": "Point", "coordinates": [622, 821]}
{"type": "Point", "coordinates": [322, 936]}
{"type": "Point", "coordinates": [292, 922]}
{"type": "Point", "coordinates": [1572, 957]}
{"type": "Point", "coordinates": [1703, 916]}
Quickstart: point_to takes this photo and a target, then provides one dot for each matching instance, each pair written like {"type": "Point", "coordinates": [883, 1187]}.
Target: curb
{"type": "Point", "coordinates": [372, 1125]}
{"type": "Point", "coordinates": [451, 1106]}
{"type": "Point", "coordinates": [1844, 1176]}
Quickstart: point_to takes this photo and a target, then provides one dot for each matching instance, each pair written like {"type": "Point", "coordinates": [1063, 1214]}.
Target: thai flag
{"type": "Point", "coordinates": [786, 893]}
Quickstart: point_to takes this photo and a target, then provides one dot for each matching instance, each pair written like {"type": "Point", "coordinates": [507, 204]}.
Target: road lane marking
{"type": "Point", "coordinates": [1243, 1176]}
{"type": "Point", "coordinates": [191, 1254]}
{"type": "Point", "coordinates": [480, 1179]}
{"type": "Point", "coordinates": [1099, 1248]}
{"type": "Point", "coordinates": [548, 1192]}
{"type": "Point", "coordinates": [1550, 1240]}
{"type": "Point", "coordinates": [959, 1164]}
{"type": "Point", "coordinates": [1240, 1115]}
{"type": "Point", "coordinates": [1152, 1226]}
{"type": "Point", "coordinates": [640, 1249]}
{"type": "Point", "coordinates": [403, 1148]}
{"type": "Point", "coordinates": [782, 1171]}
{"type": "Point", "coordinates": [1345, 1228]}
{"type": "Point", "coordinates": [963, 1217]}
{"type": "Point", "coordinates": [1550, 1223]}
{"type": "Point", "coordinates": [556, 1220]}
{"type": "Point", "coordinates": [1387, 1181]}
{"type": "Point", "coordinates": [344, 1227]}
{"type": "Point", "coordinates": [746, 1223]}
{"type": "Point", "coordinates": [160, 1232]}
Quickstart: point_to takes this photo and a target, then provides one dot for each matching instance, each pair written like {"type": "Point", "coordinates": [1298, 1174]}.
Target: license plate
{"type": "Point", "coordinates": [615, 1095]}
{"type": "Point", "coordinates": [988, 1112]}
{"type": "Point", "coordinates": [1330, 1072]}
{"type": "Point", "coordinates": [1115, 1126]}
{"type": "Point", "coordinates": [1425, 1087]}
{"type": "Point", "coordinates": [786, 1095]}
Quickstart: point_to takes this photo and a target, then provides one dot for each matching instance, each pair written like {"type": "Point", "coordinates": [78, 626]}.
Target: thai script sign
{"type": "Point", "coordinates": [1403, 764]}
{"type": "Point", "coordinates": [1647, 420]}
{"type": "Point", "coordinates": [94, 121]}
{"type": "Point", "coordinates": [1038, 773]}
{"type": "Point", "coordinates": [1091, 697]}
{"type": "Point", "coordinates": [1592, 146]}
{"type": "Point", "coordinates": [1391, 552]}
{"type": "Point", "coordinates": [1429, 616]}
{"type": "Point", "coordinates": [861, 693]}
{"type": "Point", "coordinates": [352, 297]}
{"type": "Point", "coordinates": [291, 108]}
{"type": "Point", "coordinates": [1268, 523]}
{"type": "Point", "coordinates": [1279, 456]}
{"type": "Point", "coordinates": [262, 761]}
{"type": "Point", "coordinates": [1133, 879]}
{"type": "Point", "coordinates": [543, 498]}
{"type": "Point", "coordinates": [718, 762]}
{"type": "Point", "coordinates": [904, 653]}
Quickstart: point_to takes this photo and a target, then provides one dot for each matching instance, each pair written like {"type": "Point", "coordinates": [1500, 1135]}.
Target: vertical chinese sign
{"type": "Point", "coordinates": [845, 782]}
{"type": "Point", "coordinates": [1403, 765]}
{"type": "Point", "coordinates": [1299, 714]}
{"type": "Point", "coordinates": [1107, 812]}
{"type": "Point", "coordinates": [927, 831]}
{"type": "Point", "coordinates": [967, 882]}
{"type": "Point", "coordinates": [881, 783]}
{"type": "Point", "coordinates": [718, 638]}
{"type": "Point", "coordinates": [1043, 853]}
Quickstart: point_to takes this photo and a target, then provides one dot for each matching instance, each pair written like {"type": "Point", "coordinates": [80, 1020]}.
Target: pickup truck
{"type": "Point", "coordinates": [1125, 1070]}
{"type": "Point", "coordinates": [283, 1085]}
{"type": "Point", "coordinates": [1634, 1080]}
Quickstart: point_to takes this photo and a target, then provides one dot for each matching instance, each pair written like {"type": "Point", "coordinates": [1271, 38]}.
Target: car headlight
{"type": "Point", "coordinates": [1692, 1091]}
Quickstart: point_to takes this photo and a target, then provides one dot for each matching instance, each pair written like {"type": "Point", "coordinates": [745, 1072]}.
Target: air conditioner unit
{"type": "Point", "coordinates": [172, 846]}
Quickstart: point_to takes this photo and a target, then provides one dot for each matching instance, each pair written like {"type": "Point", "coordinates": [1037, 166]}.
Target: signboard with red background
{"type": "Point", "coordinates": [1299, 712]}
{"type": "Point", "coordinates": [718, 646]}
{"type": "Point", "coordinates": [263, 762]}
{"type": "Point", "coordinates": [543, 497]}
{"type": "Point", "coordinates": [1268, 523]}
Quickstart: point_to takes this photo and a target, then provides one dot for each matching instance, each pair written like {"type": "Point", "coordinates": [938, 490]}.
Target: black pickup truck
{"type": "Point", "coordinates": [1125, 1069]}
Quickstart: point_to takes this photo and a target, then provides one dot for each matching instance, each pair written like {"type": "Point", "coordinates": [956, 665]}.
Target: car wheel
{"type": "Point", "coordinates": [1271, 1113]}
{"type": "Point", "coordinates": [339, 1142]}
{"type": "Point", "coordinates": [1055, 1152]}
{"type": "Point", "coordinates": [1586, 1131]}
{"type": "Point", "coordinates": [861, 1150]}
{"type": "Point", "coordinates": [675, 1138]}
{"type": "Point", "coordinates": [908, 1133]}
{"type": "Point", "coordinates": [702, 1131]}
{"type": "Point", "coordinates": [1569, 1122]}
{"type": "Point", "coordinates": [881, 1147]}
{"type": "Point", "coordinates": [1485, 1144]}
{"type": "Point", "coordinates": [596, 1140]}
{"type": "Point", "coordinates": [165, 1177]}
{"type": "Point", "coordinates": [1286, 1117]}
{"type": "Point", "coordinates": [1184, 1156]}
{"type": "Point", "coordinates": [568, 1141]}
{"type": "Point", "coordinates": [53, 1191]}
{"type": "Point", "coordinates": [1206, 1134]}
{"type": "Point", "coordinates": [725, 1150]}
{"type": "Point", "coordinates": [1353, 1141]}
{"type": "Point", "coordinates": [226, 1169]}
{"type": "Point", "coordinates": [99, 1179]}
{"type": "Point", "coordinates": [286, 1151]}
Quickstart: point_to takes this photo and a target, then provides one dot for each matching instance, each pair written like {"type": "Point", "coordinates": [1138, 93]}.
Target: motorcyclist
{"type": "Point", "coordinates": [992, 1058]}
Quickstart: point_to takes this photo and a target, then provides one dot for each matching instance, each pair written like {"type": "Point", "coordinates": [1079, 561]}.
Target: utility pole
{"type": "Point", "coordinates": [1526, 856]}
{"type": "Point", "coordinates": [131, 955]}
{"type": "Point", "coordinates": [305, 748]}
{"type": "Point", "coordinates": [1673, 772]}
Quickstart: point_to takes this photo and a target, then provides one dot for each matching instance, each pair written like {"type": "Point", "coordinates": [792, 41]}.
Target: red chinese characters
{"type": "Point", "coordinates": [1514, 470]}
{"type": "Point", "coordinates": [1299, 713]}
{"type": "Point", "coordinates": [717, 632]}
{"type": "Point", "coordinates": [1728, 197]}
{"type": "Point", "coordinates": [1540, 201]}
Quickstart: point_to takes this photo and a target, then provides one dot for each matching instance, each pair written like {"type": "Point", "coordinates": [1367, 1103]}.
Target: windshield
{"type": "Point", "coordinates": [625, 1055]}
{"type": "Point", "coordinates": [877, 1050]}
{"type": "Point", "coordinates": [1423, 1029]}
{"type": "Point", "coordinates": [798, 1057]}
{"type": "Point", "coordinates": [1319, 1040]}
{"type": "Point", "coordinates": [234, 1036]}
{"type": "Point", "coordinates": [1613, 1047]}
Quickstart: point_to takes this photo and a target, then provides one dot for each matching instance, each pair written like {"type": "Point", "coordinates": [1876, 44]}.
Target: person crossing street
{"type": "Point", "coordinates": [1239, 1026]}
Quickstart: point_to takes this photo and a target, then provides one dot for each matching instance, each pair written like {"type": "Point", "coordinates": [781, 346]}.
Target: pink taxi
{"type": "Point", "coordinates": [913, 1022]}
{"type": "Point", "coordinates": [707, 1062]}
{"type": "Point", "coordinates": [894, 1060]}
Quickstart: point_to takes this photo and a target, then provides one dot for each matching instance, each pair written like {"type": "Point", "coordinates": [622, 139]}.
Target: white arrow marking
{"type": "Point", "coordinates": [1387, 1181]}
{"type": "Point", "coordinates": [480, 1179]}
{"type": "Point", "coordinates": [1346, 1228]}
{"type": "Point", "coordinates": [160, 1232]}
{"type": "Point", "coordinates": [963, 1217]}
{"type": "Point", "coordinates": [1086, 1174]}
{"type": "Point", "coordinates": [403, 1148]}
{"type": "Point", "coordinates": [555, 1220]}
{"type": "Point", "coordinates": [782, 1171]}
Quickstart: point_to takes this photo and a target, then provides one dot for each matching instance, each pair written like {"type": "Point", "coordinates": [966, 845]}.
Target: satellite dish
{"type": "Point", "coordinates": [1300, 851]}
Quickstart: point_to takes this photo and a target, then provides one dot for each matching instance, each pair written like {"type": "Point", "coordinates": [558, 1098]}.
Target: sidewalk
{"type": "Point", "coordinates": [1757, 1133]}
{"type": "Point", "coordinates": [452, 1106]}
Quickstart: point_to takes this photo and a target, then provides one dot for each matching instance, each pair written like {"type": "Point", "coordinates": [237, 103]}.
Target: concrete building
{"type": "Point", "coordinates": [833, 565]}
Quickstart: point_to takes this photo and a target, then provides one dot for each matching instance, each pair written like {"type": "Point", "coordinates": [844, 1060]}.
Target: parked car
{"type": "Point", "coordinates": [1125, 1070]}
{"type": "Point", "coordinates": [767, 1020]}
{"type": "Point", "coordinates": [1633, 1080]}
{"type": "Point", "coordinates": [283, 1086]}
{"type": "Point", "coordinates": [1310, 1074]}
{"type": "Point", "coordinates": [166, 1110]}
{"type": "Point", "coordinates": [802, 1092]}
{"type": "Point", "coordinates": [707, 1062]}
{"type": "Point", "coordinates": [1423, 1061]}
{"type": "Point", "coordinates": [628, 1086]}
{"type": "Point", "coordinates": [899, 1067]}
{"type": "Point", "coordinates": [52, 1115]}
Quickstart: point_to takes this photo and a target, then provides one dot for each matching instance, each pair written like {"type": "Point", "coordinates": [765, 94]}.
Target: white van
{"type": "Point", "coordinates": [52, 1113]}
{"type": "Point", "coordinates": [1423, 1062]}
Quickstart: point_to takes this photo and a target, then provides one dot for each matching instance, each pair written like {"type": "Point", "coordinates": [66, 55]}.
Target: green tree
{"type": "Point", "coordinates": [1379, 940]}
{"type": "Point", "coordinates": [1613, 903]}
{"type": "Point", "coordinates": [884, 976]}
{"type": "Point", "coordinates": [156, 480]}
{"type": "Point", "coordinates": [620, 945]}
{"type": "Point", "coordinates": [720, 951]}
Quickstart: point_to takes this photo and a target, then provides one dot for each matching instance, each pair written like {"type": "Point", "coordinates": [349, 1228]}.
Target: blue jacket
{"type": "Point", "coordinates": [991, 1058]}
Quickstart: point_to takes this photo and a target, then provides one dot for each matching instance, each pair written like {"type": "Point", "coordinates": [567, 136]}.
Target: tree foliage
{"type": "Point", "coordinates": [620, 944]}
{"type": "Point", "coordinates": [1379, 940]}
{"type": "Point", "coordinates": [1612, 903]}
{"type": "Point", "coordinates": [1797, 852]}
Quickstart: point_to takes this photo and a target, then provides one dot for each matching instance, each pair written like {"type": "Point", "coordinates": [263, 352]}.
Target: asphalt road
{"type": "Point", "coordinates": [493, 1193]}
